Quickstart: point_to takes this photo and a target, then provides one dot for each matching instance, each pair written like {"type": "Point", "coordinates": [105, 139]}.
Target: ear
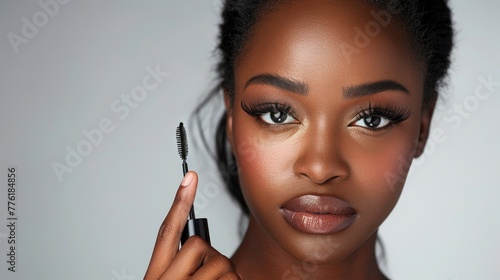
{"type": "Point", "coordinates": [425, 124]}
{"type": "Point", "coordinates": [229, 118]}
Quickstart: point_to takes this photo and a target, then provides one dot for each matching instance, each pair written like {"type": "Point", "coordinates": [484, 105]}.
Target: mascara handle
{"type": "Point", "coordinates": [196, 227]}
{"type": "Point", "coordinates": [185, 168]}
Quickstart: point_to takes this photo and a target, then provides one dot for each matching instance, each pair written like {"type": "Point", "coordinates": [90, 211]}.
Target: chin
{"type": "Point", "coordinates": [317, 250]}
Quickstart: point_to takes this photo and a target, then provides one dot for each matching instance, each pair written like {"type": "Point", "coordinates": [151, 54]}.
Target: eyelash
{"type": "Point", "coordinates": [393, 114]}
{"type": "Point", "coordinates": [257, 110]}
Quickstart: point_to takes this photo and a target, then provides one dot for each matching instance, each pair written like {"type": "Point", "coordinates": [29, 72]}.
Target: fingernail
{"type": "Point", "coordinates": [187, 179]}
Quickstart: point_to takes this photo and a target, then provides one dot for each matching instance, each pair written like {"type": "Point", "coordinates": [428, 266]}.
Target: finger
{"type": "Point", "coordinates": [198, 260]}
{"type": "Point", "coordinates": [215, 267]}
{"type": "Point", "coordinates": [167, 242]}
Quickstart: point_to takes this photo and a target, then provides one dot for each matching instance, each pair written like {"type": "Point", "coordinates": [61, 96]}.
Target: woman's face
{"type": "Point", "coordinates": [323, 127]}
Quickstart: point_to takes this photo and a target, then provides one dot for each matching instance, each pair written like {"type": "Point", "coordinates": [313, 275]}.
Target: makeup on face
{"type": "Point", "coordinates": [315, 135]}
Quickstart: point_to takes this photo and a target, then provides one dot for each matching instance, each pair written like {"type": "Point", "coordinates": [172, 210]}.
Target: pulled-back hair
{"type": "Point", "coordinates": [427, 22]}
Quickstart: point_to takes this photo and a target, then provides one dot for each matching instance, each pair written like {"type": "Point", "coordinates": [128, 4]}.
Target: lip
{"type": "Point", "coordinates": [318, 214]}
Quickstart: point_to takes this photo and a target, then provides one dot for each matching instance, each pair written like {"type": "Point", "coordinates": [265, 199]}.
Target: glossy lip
{"type": "Point", "coordinates": [318, 214]}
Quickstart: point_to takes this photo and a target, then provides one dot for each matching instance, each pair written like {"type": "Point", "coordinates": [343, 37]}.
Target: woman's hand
{"type": "Point", "coordinates": [196, 259]}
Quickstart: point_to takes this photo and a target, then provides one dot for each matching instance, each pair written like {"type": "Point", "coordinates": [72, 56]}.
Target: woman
{"type": "Point", "coordinates": [327, 103]}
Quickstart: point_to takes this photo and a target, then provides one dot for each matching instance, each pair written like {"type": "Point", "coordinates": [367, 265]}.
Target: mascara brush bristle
{"type": "Point", "coordinates": [182, 144]}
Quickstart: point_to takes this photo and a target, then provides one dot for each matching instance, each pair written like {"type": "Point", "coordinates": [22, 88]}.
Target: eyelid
{"type": "Point", "coordinates": [391, 112]}
{"type": "Point", "coordinates": [258, 108]}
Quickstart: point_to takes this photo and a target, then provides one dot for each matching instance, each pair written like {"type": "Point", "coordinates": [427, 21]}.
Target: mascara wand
{"type": "Point", "coordinates": [182, 147]}
{"type": "Point", "coordinates": [193, 226]}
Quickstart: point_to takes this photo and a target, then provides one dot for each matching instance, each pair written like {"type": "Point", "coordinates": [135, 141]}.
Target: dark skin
{"type": "Point", "coordinates": [321, 137]}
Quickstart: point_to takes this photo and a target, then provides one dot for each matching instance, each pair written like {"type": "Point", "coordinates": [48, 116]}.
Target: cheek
{"type": "Point", "coordinates": [382, 173]}
{"type": "Point", "coordinates": [388, 169]}
{"type": "Point", "coordinates": [253, 159]}
{"type": "Point", "coordinates": [264, 164]}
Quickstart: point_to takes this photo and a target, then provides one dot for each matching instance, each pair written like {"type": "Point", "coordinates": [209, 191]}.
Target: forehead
{"type": "Point", "coordinates": [348, 41]}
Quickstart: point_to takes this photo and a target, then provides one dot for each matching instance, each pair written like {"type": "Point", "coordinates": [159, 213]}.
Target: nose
{"type": "Point", "coordinates": [321, 159]}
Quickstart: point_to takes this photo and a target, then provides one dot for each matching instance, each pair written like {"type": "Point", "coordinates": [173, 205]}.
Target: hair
{"type": "Point", "coordinates": [427, 22]}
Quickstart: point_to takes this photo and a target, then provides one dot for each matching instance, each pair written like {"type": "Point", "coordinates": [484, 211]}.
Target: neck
{"type": "Point", "coordinates": [259, 257]}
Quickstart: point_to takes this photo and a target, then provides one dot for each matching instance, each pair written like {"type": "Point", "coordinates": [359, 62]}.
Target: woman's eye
{"type": "Point", "coordinates": [271, 113]}
{"type": "Point", "coordinates": [277, 117]}
{"type": "Point", "coordinates": [373, 122]}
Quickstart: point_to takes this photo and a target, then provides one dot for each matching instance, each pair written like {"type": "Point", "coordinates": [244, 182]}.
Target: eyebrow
{"type": "Point", "coordinates": [372, 88]}
{"type": "Point", "coordinates": [302, 89]}
{"type": "Point", "coordinates": [279, 82]}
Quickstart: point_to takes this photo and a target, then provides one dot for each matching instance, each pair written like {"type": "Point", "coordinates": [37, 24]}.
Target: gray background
{"type": "Point", "coordinates": [101, 220]}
